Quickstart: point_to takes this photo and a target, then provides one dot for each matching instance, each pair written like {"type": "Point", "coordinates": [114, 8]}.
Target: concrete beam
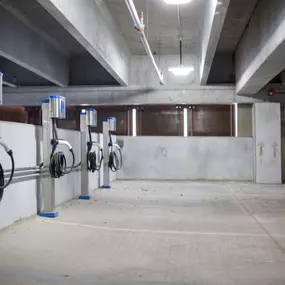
{"type": "Point", "coordinates": [26, 48]}
{"type": "Point", "coordinates": [260, 55]}
{"type": "Point", "coordinates": [32, 96]}
{"type": "Point", "coordinates": [214, 17]}
{"type": "Point", "coordinates": [91, 24]}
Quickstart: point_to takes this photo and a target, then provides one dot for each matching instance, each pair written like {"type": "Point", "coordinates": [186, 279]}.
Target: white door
{"type": "Point", "coordinates": [268, 143]}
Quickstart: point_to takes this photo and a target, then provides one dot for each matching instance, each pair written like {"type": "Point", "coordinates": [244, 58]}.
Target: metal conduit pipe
{"type": "Point", "coordinates": [140, 28]}
{"type": "Point", "coordinates": [5, 83]}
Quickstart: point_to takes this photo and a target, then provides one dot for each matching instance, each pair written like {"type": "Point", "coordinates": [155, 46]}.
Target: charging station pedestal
{"type": "Point", "coordinates": [84, 171]}
{"type": "Point", "coordinates": [47, 198]}
{"type": "Point", "coordinates": [53, 107]}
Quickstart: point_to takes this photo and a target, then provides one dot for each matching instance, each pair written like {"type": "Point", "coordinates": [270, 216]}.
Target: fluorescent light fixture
{"type": "Point", "coordinates": [177, 2]}
{"type": "Point", "coordinates": [185, 122]}
{"type": "Point", "coordinates": [236, 119]}
{"type": "Point", "coordinates": [181, 70]}
{"type": "Point", "coordinates": [134, 120]}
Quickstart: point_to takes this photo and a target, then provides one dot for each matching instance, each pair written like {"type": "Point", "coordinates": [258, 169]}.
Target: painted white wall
{"type": "Point", "coordinates": [19, 200]}
{"type": "Point", "coordinates": [205, 158]}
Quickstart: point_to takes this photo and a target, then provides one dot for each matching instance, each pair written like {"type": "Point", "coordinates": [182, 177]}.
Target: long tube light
{"type": "Point", "coordinates": [236, 120]}
{"type": "Point", "coordinates": [185, 122]}
{"type": "Point", "coordinates": [140, 28]}
{"type": "Point", "coordinates": [181, 70]}
{"type": "Point", "coordinates": [134, 122]}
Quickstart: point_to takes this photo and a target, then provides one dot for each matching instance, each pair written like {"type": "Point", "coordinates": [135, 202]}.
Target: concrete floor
{"type": "Point", "coordinates": [154, 233]}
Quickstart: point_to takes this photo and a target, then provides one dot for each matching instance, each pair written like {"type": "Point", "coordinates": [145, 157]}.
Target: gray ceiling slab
{"type": "Point", "coordinates": [26, 48]}
{"type": "Point", "coordinates": [20, 76]}
{"type": "Point", "coordinates": [90, 23]}
{"type": "Point", "coordinates": [161, 25]}
{"type": "Point", "coordinates": [238, 15]}
{"type": "Point", "coordinates": [31, 13]}
{"type": "Point", "coordinates": [260, 55]}
{"type": "Point", "coordinates": [86, 70]}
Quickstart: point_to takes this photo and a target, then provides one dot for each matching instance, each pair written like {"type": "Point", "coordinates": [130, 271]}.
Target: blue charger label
{"type": "Point", "coordinates": [62, 107]}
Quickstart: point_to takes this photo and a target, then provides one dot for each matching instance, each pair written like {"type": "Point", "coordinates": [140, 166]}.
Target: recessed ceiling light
{"type": "Point", "coordinates": [177, 2]}
{"type": "Point", "coordinates": [181, 70]}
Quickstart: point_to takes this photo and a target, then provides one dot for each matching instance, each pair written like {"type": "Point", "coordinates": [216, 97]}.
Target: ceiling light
{"type": "Point", "coordinates": [177, 2]}
{"type": "Point", "coordinates": [181, 70]}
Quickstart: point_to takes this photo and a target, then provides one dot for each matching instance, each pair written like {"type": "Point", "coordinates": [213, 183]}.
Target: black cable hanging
{"type": "Point", "coordinates": [92, 156]}
{"type": "Point", "coordinates": [58, 164]}
{"type": "Point", "coordinates": [3, 185]}
{"type": "Point", "coordinates": [115, 162]}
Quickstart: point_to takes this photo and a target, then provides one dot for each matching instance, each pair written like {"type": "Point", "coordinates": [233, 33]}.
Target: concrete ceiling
{"type": "Point", "coordinates": [84, 69]}
{"type": "Point", "coordinates": [237, 19]}
{"type": "Point", "coordinates": [238, 15]}
{"type": "Point", "coordinates": [31, 13]}
{"type": "Point", "coordinates": [161, 25]}
{"type": "Point", "coordinates": [14, 73]}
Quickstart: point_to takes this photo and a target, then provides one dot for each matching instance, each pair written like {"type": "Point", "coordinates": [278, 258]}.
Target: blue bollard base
{"type": "Point", "coordinates": [49, 215]}
{"type": "Point", "coordinates": [87, 197]}
{"type": "Point", "coordinates": [106, 187]}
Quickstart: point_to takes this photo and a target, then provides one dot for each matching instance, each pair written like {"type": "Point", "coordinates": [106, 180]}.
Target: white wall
{"type": "Point", "coordinates": [20, 199]}
{"type": "Point", "coordinates": [210, 158]}
{"type": "Point", "coordinates": [142, 72]}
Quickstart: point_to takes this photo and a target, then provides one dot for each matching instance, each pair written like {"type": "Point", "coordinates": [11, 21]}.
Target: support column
{"type": "Point", "coordinates": [106, 170]}
{"type": "Point", "coordinates": [47, 183]}
{"type": "Point", "coordinates": [84, 171]}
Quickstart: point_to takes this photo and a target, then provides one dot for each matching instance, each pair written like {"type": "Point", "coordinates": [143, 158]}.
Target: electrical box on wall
{"type": "Point", "coordinates": [91, 117]}
{"type": "Point", "coordinates": [112, 123]}
{"type": "Point", "coordinates": [57, 107]}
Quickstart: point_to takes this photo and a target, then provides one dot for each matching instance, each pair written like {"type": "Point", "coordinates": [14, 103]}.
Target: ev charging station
{"type": "Point", "coordinates": [91, 160]}
{"type": "Point", "coordinates": [54, 162]}
{"type": "Point", "coordinates": [112, 162]}
{"type": "Point", "coordinates": [4, 184]}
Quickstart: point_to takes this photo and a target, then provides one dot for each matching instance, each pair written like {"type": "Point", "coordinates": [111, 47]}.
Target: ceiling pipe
{"type": "Point", "coordinates": [179, 34]}
{"type": "Point", "coordinates": [140, 28]}
{"type": "Point", "coordinates": [5, 83]}
{"type": "Point", "coordinates": [179, 23]}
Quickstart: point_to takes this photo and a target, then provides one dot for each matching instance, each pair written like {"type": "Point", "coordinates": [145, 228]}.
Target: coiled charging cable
{"type": "Point", "coordinates": [92, 164]}
{"type": "Point", "coordinates": [3, 185]}
{"type": "Point", "coordinates": [115, 161]}
{"type": "Point", "coordinates": [58, 164]}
